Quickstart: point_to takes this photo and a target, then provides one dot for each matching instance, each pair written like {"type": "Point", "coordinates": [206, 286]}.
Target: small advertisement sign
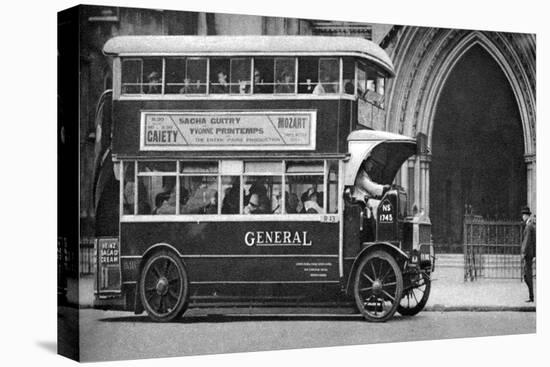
{"type": "Point", "coordinates": [108, 251]}
{"type": "Point", "coordinates": [108, 256]}
{"type": "Point", "coordinates": [228, 130]}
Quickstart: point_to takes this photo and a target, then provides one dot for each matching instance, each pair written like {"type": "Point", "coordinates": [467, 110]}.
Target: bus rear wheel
{"type": "Point", "coordinates": [164, 286]}
{"type": "Point", "coordinates": [378, 286]}
{"type": "Point", "coordinates": [415, 298]}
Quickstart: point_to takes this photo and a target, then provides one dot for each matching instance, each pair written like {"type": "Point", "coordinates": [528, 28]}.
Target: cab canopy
{"type": "Point", "coordinates": [249, 46]}
{"type": "Point", "coordinates": [388, 150]}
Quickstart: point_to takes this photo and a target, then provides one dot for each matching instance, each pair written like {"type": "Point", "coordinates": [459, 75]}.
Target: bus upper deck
{"type": "Point", "coordinates": [245, 93]}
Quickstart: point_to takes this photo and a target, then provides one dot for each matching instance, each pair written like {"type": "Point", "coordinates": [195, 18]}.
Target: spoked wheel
{"type": "Point", "coordinates": [415, 298]}
{"type": "Point", "coordinates": [164, 286]}
{"type": "Point", "coordinates": [378, 286]}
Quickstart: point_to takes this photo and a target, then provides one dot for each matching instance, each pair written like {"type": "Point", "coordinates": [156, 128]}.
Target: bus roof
{"type": "Point", "coordinates": [248, 45]}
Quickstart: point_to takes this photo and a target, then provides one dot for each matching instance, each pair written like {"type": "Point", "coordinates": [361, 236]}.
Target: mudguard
{"type": "Point", "coordinates": [395, 251]}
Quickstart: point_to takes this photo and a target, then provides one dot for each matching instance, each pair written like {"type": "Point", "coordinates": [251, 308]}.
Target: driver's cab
{"type": "Point", "coordinates": [379, 207]}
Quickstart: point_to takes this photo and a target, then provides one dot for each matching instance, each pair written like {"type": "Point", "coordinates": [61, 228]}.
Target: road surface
{"type": "Point", "coordinates": [112, 335]}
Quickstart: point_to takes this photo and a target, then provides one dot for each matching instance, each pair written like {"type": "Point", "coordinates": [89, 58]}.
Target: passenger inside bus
{"type": "Point", "coordinates": [202, 200]}
{"type": "Point", "coordinates": [285, 82]}
{"type": "Point", "coordinates": [327, 85]}
{"type": "Point", "coordinates": [222, 85]}
{"type": "Point", "coordinates": [292, 204]}
{"type": "Point", "coordinates": [165, 201]}
{"type": "Point", "coordinates": [230, 202]}
{"type": "Point", "coordinates": [259, 84]}
{"type": "Point", "coordinates": [311, 205]}
{"type": "Point", "coordinates": [154, 82]}
{"type": "Point", "coordinates": [257, 201]}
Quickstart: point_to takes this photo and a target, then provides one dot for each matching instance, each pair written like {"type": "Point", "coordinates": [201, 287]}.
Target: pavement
{"type": "Point", "coordinates": [449, 291]}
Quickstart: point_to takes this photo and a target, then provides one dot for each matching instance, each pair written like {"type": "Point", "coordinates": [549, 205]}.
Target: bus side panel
{"type": "Point", "coordinates": [239, 251]}
{"type": "Point", "coordinates": [333, 120]}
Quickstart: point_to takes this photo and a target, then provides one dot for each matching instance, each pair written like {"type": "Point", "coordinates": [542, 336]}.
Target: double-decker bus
{"type": "Point", "coordinates": [245, 178]}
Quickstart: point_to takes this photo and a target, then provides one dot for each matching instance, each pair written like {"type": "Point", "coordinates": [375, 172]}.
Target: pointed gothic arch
{"type": "Point", "coordinates": [424, 58]}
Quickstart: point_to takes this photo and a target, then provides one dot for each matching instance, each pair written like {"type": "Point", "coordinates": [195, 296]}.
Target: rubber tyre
{"type": "Point", "coordinates": [396, 289]}
{"type": "Point", "coordinates": [411, 311]}
{"type": "Point", "coordinates": [164, 286]}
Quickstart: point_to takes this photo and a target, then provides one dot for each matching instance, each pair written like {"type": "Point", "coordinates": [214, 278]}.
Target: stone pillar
{"type": "Point", "coordinates": [410, 182]}
{"type": "Point", "coordinates": [424, 182]}
{"type": "Point", "coordinates": [531, 163]}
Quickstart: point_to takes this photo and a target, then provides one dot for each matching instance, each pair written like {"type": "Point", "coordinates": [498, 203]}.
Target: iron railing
{"type": "Point", "coordinates": [492, 248]}
{"type": "Point", "coordinates": [87, 256]}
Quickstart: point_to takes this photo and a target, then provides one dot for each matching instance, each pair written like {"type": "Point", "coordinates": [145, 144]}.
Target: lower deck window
{"type": "Point", "coordinates": [229, 187]}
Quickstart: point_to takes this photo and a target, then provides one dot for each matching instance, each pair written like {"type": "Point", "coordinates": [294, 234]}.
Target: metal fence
{"type": "Point", "coordinates": [492, 248]}
{"type": "Point", "coordinates": [68, 267]}
{"type": "Point", "coordinates": [87, 256]}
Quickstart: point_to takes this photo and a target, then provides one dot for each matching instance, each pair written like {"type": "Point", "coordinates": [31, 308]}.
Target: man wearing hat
{"type": "Point", "coordinates": [528, 249]}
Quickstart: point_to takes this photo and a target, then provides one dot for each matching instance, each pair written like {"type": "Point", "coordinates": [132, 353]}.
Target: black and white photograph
{"type": "Point", "coordinates": [239, 174]}
{"type": "Point", "coordinates": [233, 179]}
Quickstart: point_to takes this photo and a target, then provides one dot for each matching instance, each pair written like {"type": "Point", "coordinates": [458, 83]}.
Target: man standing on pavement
{"type": "Point", "coordinates": [528, 249]}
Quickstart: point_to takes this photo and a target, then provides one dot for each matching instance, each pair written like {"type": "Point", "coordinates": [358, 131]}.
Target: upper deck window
{"type": "Point", "coordinates": [330, 76]}
{"type": "Point", "coordinates": [264, 75]}
{"type": "Point", "coordinates": [371, 84]}
{"type": "Point", "coordinates": [285, 75]}
{"type": "Point", "coordinates": [186, 75]}
{"type": "Point", "coordinates": [230, 75]}
{"type": "Point", "coordinates": [141, 76]}
{"type": "Point", "coordinates": [240, 75]}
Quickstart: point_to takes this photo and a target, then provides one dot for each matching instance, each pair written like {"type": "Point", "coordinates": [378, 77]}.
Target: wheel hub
{"type": "Point", "coordinates": [162, 286]}
{"type": "Point", "coordinates": [377, 286]}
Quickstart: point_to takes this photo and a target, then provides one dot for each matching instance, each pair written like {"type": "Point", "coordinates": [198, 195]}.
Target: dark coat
{"type": "Point", "coordinates": [528, 245]}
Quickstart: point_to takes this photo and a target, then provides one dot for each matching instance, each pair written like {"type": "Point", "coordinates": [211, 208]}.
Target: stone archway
{"type": "Point", "coordinates": [424, 59]}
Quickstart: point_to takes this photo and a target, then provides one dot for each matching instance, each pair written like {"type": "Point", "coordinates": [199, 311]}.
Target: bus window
{"type": "Point", "coordinates": [349, 76]}
{"type": "Point", "coordinates": [149, 167]}
{"type": "Point", "coordinates": [304, 188]}
{"type": "Point", "coordinates": [231, 191]}
{"type": "Point", "coordinates": [195, 76]}
{"type": "Point", "coordinates": [361, 81]}
{"type": "Point", "coordinates": [262, 185]}
{"type": "Point", "coordinates": [152, 75]}
{"type": "Point", "coordinates": [329, 81]}
{"type": "Point", "coordinates": [132, 71]}
{"type": "Point", "coordinates": [185, 76]}
{"type": "Point", "coordinates": [332, 187]}
{"type": "Point", "coordinates": [240, 75]}
{"type": "Point", "coordinates": [263, 194]}
{"type": "Point", "coordinates": [370, 84]}
{"type": "Point", "coordinates": [219, 75]}
{"type": "Point", "coordinates": [157, 188]}
{"type": "Point", "coordinates": [199, 187]}
{"type": "Point", "coordinates": [175, 76]}
{"type": "Point", "coordinates": [199, 195]}
{"type": "Point", "coordinates": [319, 75]}
{"type": "Point", "coordinates": [129, 188]}
{"type": "Point", "coordinates": [198, 167]}
{"type": "Point", "coordinates": [264, 75]}
{"type": "Point", "coordinates": [307, 74]}
{"type": "Point", "coordinates": [285, 70]}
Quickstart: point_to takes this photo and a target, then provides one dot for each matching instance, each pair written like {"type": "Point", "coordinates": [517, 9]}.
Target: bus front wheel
{"type": "Point", "coordinates": [378, 286]}
{"type": "Point", "coordinates": [164, 286]}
